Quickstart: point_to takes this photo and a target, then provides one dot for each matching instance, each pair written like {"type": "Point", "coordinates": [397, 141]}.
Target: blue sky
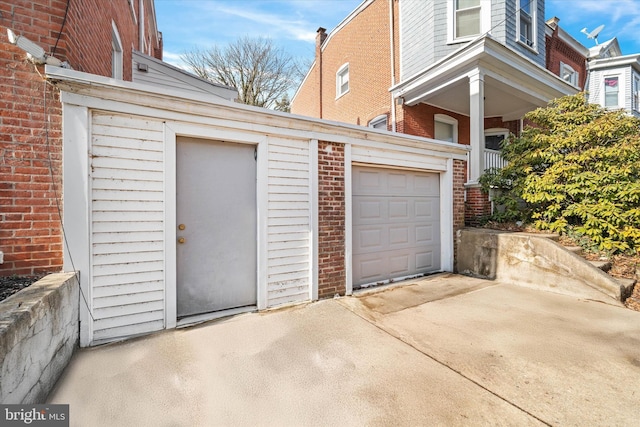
{"type": "Point", "coordinates": [291, 24]}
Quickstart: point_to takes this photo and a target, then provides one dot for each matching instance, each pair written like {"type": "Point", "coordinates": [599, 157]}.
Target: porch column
{"type": "Point", "coordinates": [476, 118]}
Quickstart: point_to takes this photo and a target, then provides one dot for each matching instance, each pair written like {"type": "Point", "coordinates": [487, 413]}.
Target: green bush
{"type": "Point", "coordinates": [576, 167]}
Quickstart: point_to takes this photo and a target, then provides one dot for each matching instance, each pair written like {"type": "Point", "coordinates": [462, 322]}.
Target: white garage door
{"type": "Point", "coordinates": [396, 224]}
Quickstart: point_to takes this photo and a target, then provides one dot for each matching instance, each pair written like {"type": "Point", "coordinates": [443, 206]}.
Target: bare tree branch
{"type": "Point", "coordinates": [261, 72]}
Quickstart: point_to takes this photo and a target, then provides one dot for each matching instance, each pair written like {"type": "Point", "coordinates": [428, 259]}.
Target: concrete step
{"type": "Point", "coordinates": [604, 265]}
{"type": "Point", "coordinates": [575, 249]}
{"type": "Point", "coordinates": [626, 287]}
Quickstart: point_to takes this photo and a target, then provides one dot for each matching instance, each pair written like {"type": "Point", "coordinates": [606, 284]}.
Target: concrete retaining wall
{"type": "Point", "coordinates": [38, 335]}
{"type": "Point", "coordinates": [532, 260]}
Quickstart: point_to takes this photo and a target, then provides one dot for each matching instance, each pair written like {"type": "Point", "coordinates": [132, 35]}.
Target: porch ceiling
{"type": "Point", "coordinates": [513, 85]}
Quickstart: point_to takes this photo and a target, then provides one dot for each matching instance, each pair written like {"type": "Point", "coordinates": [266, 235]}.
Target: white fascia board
{"type": "Point", "coordinates": [101, 92]}
{"type": "Point", "coordinates": [489, 51]}
{"type": "Point", "coordinates": [618, 61]}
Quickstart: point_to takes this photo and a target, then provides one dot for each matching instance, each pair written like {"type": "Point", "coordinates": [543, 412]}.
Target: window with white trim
{"type": "Point", "coordinates": [636, 93]}
{"type": "Point", "coordinates": [342, 80]}
{"type": "Point", "coordinates": [445, 128]}
{"type": "Point", "coordinates": [527, 11]}
{"type": "Point", "coordinates": [493, 138]}
{"type": "Point", "coordinates": [467, 18]}
{"type": "Point", "coordinates": [611, 91]}
{"type": "Point", "coordinates": [116, 53]}
{"type": "Point", "coordinates": [568, 74]}
{"type": "Point", "coordinates": [379, 122]}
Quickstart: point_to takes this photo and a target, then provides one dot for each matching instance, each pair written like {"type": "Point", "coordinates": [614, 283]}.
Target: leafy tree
{"type": "Point", "coordinates": [260, 72]}
{"type": "Point", "coordinates": [577, 170]}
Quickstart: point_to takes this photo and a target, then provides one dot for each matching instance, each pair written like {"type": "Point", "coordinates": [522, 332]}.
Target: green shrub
{"type": "Point", "coordinates": [577, 166]}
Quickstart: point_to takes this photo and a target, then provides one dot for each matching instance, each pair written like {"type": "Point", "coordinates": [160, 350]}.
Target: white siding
{"type": "Point", "coordinates": [288, 223]}
{"type": "Point", "coordinates": [127, 211]}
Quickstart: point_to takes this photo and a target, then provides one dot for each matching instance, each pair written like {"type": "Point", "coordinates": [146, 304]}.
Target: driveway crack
{"type": "Point", "coordinates": [444, 364]}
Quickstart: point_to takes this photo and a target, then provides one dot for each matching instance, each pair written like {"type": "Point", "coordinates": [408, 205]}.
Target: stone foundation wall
{"type": "Point", "coordinates": [38, 335]}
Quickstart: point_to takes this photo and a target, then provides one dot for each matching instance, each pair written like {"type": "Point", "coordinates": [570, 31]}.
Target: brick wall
{"type": "Point", "coordinates": [31, 117]}
{"type": "Point", "coordinates": [363, 43]}
{"type": "Point", "coordinates": [559, 51]}
{"type": "Point", "coordinates": [477, 205]}
{"type": "Point", "coordinates": [331, 220]}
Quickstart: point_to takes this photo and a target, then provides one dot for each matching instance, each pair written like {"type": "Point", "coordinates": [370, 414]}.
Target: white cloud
{"type": "Point", "coordinates": [276, 24]}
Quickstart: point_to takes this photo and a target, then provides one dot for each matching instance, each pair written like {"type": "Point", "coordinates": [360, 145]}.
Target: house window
{"type": "Point", "coordinates": [379, 122]}
{"type": "Point", "coordinates": [445, 128]}
{"type": "Point", "coordinates": [526, 22]}
{"type": "Point", "coordinates": [342, 80]}
{"type": "Point", "coordinates": [116, 53]}
{"type": "Point", "coordinates": [568, 74]}
{"type": "Point", "coordinates": [636, 93]}
{"type": "Point", "coordinates": [611, 90]}
{"type": "Point", "coordinates": [467, 18]}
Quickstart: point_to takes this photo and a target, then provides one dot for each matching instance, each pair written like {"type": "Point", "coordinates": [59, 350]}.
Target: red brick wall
{"type": "Point", "coordinates": [459, 178]}
{"type": "Point", "coordinates": [558, 50]}
{"type": "Point", "coordinates": [331, 220]}
{"type": "Point", "coordinates": [364, 44]}
{"type": "Point", "coordinates": [477, 205]}
{"type": "Point", "coordinates": [31, 236]}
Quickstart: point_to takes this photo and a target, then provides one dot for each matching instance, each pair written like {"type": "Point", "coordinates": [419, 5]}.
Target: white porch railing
{"type": "Point", "coordinates": [493, 159]}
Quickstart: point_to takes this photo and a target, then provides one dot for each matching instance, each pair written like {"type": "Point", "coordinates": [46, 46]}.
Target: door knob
{"type": "Point", "coordinates": [181, 227]}
{"type": "Point", "coordinates": [181, 240]}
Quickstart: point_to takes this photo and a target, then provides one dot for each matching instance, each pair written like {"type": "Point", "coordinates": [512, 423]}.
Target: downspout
{"type": "Point", "coordinates": [393, 65]}
{"type": "Point", "coordinates": [141, 26]}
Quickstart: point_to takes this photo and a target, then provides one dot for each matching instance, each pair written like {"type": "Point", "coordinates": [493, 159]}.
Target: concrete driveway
{"type": "Point", "coordinates": [444, 350]}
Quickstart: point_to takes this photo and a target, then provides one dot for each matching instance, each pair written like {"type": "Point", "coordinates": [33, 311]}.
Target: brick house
{"type": "Point", "coordinates": [117, 39]}
{"type": "Point", "coordinates": [91, 36]}
{"type": "Point", "coordinates": [463, 72]}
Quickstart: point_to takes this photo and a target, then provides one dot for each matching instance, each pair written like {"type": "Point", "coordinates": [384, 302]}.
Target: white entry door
{"type": "Point", "coordinates": [217, 226]}
{"type": "Point", "coordinates": [396, 224]}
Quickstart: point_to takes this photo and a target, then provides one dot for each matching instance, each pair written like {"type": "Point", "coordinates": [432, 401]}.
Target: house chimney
{"type": "Point", "coordinates": [320, 37]}
{"type": "Point", "coordinates": [553, 22]}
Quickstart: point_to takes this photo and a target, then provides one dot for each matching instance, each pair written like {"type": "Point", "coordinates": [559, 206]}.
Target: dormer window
{"type": "Point", "coordinates": [527, 11]}
{"type": "Point", "coordinates": [342, 80]}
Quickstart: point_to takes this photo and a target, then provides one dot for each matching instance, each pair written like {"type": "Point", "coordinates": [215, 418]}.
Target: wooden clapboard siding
{"type": "Point", "coordinates": [127, 181]}
{"type": "Point", "coordinates": [288, 222]}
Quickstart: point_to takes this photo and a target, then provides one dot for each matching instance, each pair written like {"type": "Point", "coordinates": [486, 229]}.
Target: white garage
{"type": "Point", "coordinates": [180, 208]}
{"type": "Point", "coordinates": [396, 224]}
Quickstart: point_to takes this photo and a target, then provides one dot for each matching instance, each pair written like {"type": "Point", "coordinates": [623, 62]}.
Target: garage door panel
{"type": "Point", "coordinates": [425, 261]}
{"type": "Point", "coordinates": [399, 209]}
{"type": "Point", "coordinates": [426, 210]}
{"type": "Point", "coordinates": [398, 183]}
{"type": "Point", "coordinates": [398, 236]}
{"type": "Point", "coordinates": [396, 223]}
{"type": "Point", "coordinates": [399, 265]}
{"type": "Point", "coordinates": [370, 239]}
{"type": "Point", "coordinates": [427, 185]}
{"type": "Point", "coordinates": [424, 234]}
{"type": "Point", "coordinates": [370, 268]}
